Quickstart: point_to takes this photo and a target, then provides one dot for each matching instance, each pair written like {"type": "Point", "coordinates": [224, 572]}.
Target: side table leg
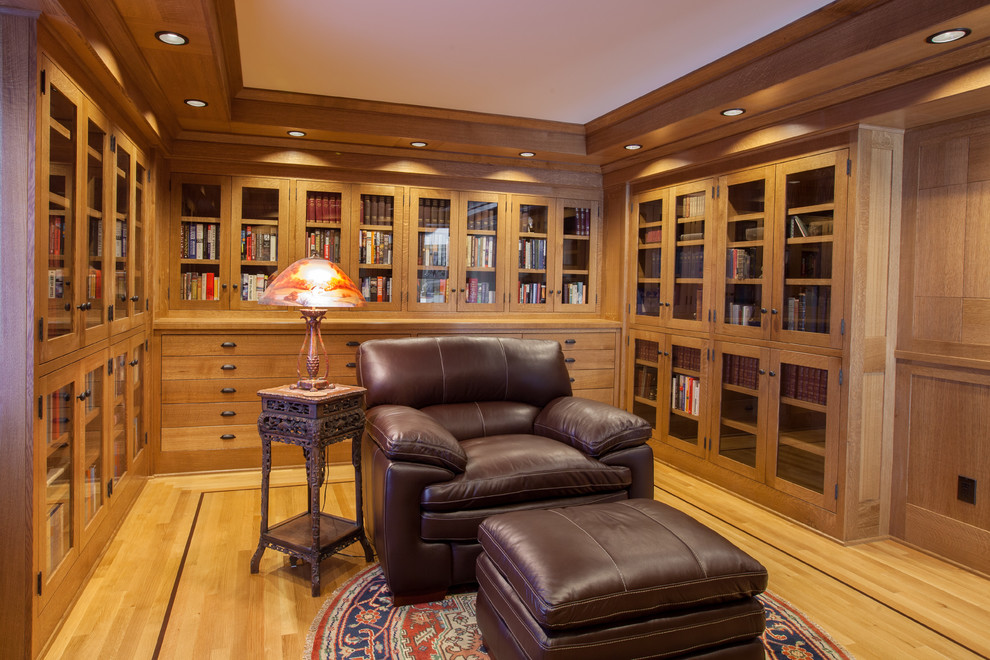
{"type": "Point", "coordinates": [369, 554]}
{"type": "Point", "coordinates": [315, 475]}
{"type": "Point", "coordinates": [266, 468]}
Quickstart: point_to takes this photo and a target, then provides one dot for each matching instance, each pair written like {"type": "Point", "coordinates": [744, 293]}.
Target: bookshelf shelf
{"type": "Point", "coordinates": [811, 209]}
{"type": "Point", "coordinates": [739, 425]}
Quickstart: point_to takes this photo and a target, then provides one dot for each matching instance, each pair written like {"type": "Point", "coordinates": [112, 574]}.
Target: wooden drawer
{"type": "Point", "coordinates": [210, 438]}
{"type": "Point", "coordinates": [604, 395]}
{"type": "Point", "coordinates": [584, 379]}
{"type": "Point", "coordinates": [234, 413]}
{"type": "Point", "coordinates": [591, 359]}
{"type": "Point", "coordinates": [344, 344]}
{"type": "Point", "coordinates": [233, 344]}
{"type": "Point", "coordinates": [571, 341]}
{"type": "Point", "coordinates": [230, 367]}
{"type": "Point", "coordinates": [198, 391]}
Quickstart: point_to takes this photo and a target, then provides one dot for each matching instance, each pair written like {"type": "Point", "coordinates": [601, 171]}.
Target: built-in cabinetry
{"type": "Point", "coordinates": [735, 353]}
{"type": "Point", "coordinates": [92, 325]}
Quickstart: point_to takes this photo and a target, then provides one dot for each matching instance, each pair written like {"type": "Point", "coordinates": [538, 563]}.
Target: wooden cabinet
{"type": "Point", "coordinates": [129, 295]}
{"type": "Point", "coordinates": [377, 244]}
{"type": "Point", "coordinates": [326, 230]}
{"type": "Point", "coordinates": [590, 357]}
{"type": "Point", "coordinates": [260, 236]}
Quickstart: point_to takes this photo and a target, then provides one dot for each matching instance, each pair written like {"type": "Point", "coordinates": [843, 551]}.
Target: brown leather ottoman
{"type": "Point", "coordinates": [630, 579]}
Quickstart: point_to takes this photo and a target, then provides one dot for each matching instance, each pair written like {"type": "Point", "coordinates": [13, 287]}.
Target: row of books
{"type": "Point", "coordinates": [259, 243]}
{"type": "Point", "coordinates": [738, 314]}
{"type": "Point", "coordinates": [804, 383]}
{"type": "Point", "coordinates": [253, 285]}
{"type": "Point", "coordinates": [198, 240]}
{"type": "Point", "coordinates": [579, 224]}
{"type": "Point", "coordinates": [323, 243]}
{"type": "Point", "coordinates": [56, 283]}
{"type": "Point", "coordinates": [647, 350]}
{"type": "Point", "coordinates": [434, 212]}
{"type": "Point", "coordinates": [810, 225]}
{"type": "Point", "coordinates": [690, 262]}
{"type": "Point", "coordinates": [653, 235]}
{"type": "Point", "coordinates": [691, 206]}
{"type": "Point", "coordinates": [94, 283]}
{"type": "Point", "coordinates": [431, 290]}
{"type": "Point", "coordinates": [646, 383]}
{"type": "Point", "coordinates": [686, 357]}
{"type": "Point", "coordinates": [200, 286]}
{"type": "Point", "coordinates": [120, 239]}
{"type": "Point", "coordinates": [740, 264]}
{"type": "Point", "coordinates": [532, 293]}
{"type": "Point", "coordinates": [432, 254]}
{"type": "Point", "coordinates": [56, 236]}
{"type": "Point", "coordinates": [376, 247]}
{"type": "Point", "coordinates": [481, 252]}
{"type": "Point", "coordinates": [574, 293]}
{"type": "Point", "coordinates": [482, 216]}
{"type": "Point", "coordinates": [685, 393]}
{"type": "Point", "coordinates": [740, 370]}
{"type": "Point", "coordinates": [376, 289]}
{"type": "Point", "coordinates": [649, 263]}
{"type": "Point", "coordinates": [533, 253]}
{"type": "Point", "coordinates": [323, 207]}
{"type": "Point", "coordinates": [376, 209]}
{"type": "Point", "coordinates": [808, 311]}
{"type": "Point", "coordinates": [480, 291]}
{"type": "Point", "coordinates": [809, 265]}
{"type": "Point", "coordinates": [95, 237]}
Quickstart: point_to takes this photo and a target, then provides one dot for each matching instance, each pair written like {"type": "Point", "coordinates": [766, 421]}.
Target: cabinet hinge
{"type": "Point", "coordinates": [849, 166]}
{"type": "Point", "coordinates": [44, 90]}
{"type": "Point", "coordinates": [113, 144]}
{"type": "Point", "coordinates": [38, 588]}
{"type": "Point", "coordinates": [146, 304]}
{"type": "Point", "coordinates": [41, 329]}
{"type": "Point", "coordinates": [109, 312]}
{"type": "Point", "coordinates": [840, 376]}
{"type": "Point", "coordinates": [110, 367]}
{"type": "Point", "coordinates": [836, 491]}
{"type": "Point", "coordinates": [145, 344]}
{"type": "Point", "coordinates": [110, 488]}
{"type": "Point", "coordinates": [41, 407]}
{"type": "Point", "coordinates": [842, 326]}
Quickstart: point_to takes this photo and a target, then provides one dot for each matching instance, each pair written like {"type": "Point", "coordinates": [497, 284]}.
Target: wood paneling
{"type": "Point", "coordinates": [976, 283]}
{"type": "Point", "coordinates": [941, 230]}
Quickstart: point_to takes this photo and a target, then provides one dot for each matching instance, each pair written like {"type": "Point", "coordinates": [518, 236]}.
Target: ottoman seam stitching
{"type": "Point", "coordinates": [622, 578]}
{"type": "Point", "coordinates": [687, 545]}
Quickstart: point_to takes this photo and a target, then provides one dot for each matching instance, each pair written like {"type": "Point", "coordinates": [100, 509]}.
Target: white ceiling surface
{"type": "Point", "coordinates": [563, 60]}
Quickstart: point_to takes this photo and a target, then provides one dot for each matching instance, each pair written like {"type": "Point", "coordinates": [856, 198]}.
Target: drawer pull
{"type": "Point", "coordinates": [568, 360]}
{"type": "Point", "coordinates": [228, 413]}
{"type": "Point", "coordinates": [353, 343]}
{"type": "Point", "coordinates": [570, 341]}
{"type": "Point", "coordinates": [227, 390]}
{"type": "Point", "coordinates": [572, 380]}
{"type": "Point", "coordinates": [229, 367]}
{"type": "Point", "coordinates": [227, 436]}
{"type": "Point", "coordinates": [228, 344]}
{"type": "Point", "coordinates": [350, 365]}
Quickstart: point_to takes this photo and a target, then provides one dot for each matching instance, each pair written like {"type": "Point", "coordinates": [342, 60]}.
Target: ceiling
{"type": "Point", "coordinates": [480, 81]}
{"type": "Point", "coordinates": [562, 60]}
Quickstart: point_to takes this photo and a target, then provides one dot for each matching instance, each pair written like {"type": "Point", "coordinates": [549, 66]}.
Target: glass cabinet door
{"type": "Point", "coordinates": [803, 456]}
{"type": "Point", "coordinates": [258, 229]}
{"type": "Point", "coordinates": [139, 291]}
{"type": "Point", "coordinates": [645, 387]}
{"type": "Point", "coordinates": [746, 241]}
{"type": "Point", "coordinates": [650, 213]}
{"type": "Point", "coordinates": [811, 202]}
{"type": "Point", "coordinates": [93, 397]}
{"type": "Point", "coordinates": [56, 233]}
{"type": "Point", "coordinates": [738, 434]}
{"type": "Point", "coordinates": [484, 262]}
{"type": "Point", "coordinates": [685, 416]}
{"type": "Point", "coordinates": [430, 274]}
{"type": "Point", "coordinates": [94, 305]}
{"type": "Point", "coordinates": [326, 209]}
{"type": "Point", "coordinates": [377, 246]}
{"type": "Point", "coordinates": [201, 217]}
{"type": "Point", "coordinates": [135, 401]}
{"type": "Point", "coordinates": [118, 427]}
{"type": "Point", "coordinates": [531, 270]}
{"type": "Point", "coordinates": [574, 286]}
{"type": "Point", "coordinates": [122, 190]}
{"type": "Point", "coordinates": [690, 207]}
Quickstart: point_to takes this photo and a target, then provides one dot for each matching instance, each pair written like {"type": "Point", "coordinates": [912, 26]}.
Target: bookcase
{"type": "Point", "coordinates": [375, 262]}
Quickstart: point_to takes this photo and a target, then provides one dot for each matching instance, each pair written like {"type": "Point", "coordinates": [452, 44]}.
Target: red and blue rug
{"type": "Point", "coordinates": [359, 622]}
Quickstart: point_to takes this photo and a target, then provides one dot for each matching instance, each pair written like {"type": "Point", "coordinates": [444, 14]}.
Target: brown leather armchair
{"type": "Point", "coordinates": [462, 428]}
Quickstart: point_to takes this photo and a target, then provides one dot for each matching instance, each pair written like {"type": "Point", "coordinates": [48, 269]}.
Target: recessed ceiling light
{"type": "Point", "coordinates": [634, 147]}
{"type": "Point", "coordinates": [733, 112]}
{"type": "Point", "coordinates": [526, 154]}
{"type": "Point", "coordinates": [418, 144]}
{"type": "Point", "coordinates": [196, 103]}
{"type": "Point", "coordinates": [296, 133]}
{"type": "Point", "coordinates": [172, 38]}
{"type": "Point", "coordinates": [948, 36]}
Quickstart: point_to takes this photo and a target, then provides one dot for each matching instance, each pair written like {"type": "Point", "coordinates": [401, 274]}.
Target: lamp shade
{"type": "Point", "coordinates": [312, 282]}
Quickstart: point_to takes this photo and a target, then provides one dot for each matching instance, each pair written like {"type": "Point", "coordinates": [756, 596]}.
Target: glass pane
{"type": "Point", "coordinates": [94, 229]}
{"type": "Point", "coordinates": [738, 413]}
{"type": "Point", "coordinates": [122, 228]}
{"type": "Point", "coordinates": [645, 383]}
{"type": "Point", "coordinates": [138, 294]}
{"type": "Point", "coordinates": [744, 253]}
{"type": "Point", "coordinates": [689, 257]}
{"type": "Point", "coordinates": [533, 227]}
{"type": "Point", "coordinates": [136, 365]}
{"type": "Point", "coordinates": [433, 250]}
{"type": "Point", "coordinates": [61, 214]}
{"type": "Point", "coordinates": [119, 429]}
{"type": "Point", "coordinates": [199, 249]}
{"type": "Point", "coordinates": [802, 426]}
{"type": "Point", "coordinates": [58, 489]}
{"type": "Point", "coordinates": [375, 247]}
{"type": "Point", "coordinates": [259, 239]}
{"type": "Point", "coordinates": [323, 225]}
{"type": "Point", "coordinates": [93, 461]}
{"type": "Point", "coordinates": [649, 258]}
{"type": "Point", "coordinates": [685, 393]}
{"type": "Point", "coordinates": [482, 252]}
{"type": "Point", "coordinates": [576, 255]}
{"type": "Point", "coordinates": [808, 254]}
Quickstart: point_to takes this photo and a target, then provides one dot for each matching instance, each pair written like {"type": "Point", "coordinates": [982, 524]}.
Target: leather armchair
{"type": "Point", "coordinates": [462, 428]}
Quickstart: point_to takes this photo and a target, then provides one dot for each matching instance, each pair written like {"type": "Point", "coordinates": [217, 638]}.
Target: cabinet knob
{"type": "Point", "coordinates": [763, 310]}
{"type": "Point", "coordinates": [133, 362]}
{"type": "Point", "coordinates": [82, 396]}
{"type": "Point", "coordinates": [773, 310]}
{"type": "Point", "coordinates": [223, 286]}
{"type": "Point", "coordinates": [228, 344]}
{"type": "Point", "coordinates": [135, 298]}
{"type": "Point", "coordinates": [762, 371]}
{"type": "Point", "coordinates": [68, 307]}
{"type": "Point", "coordinates": [773, 373]}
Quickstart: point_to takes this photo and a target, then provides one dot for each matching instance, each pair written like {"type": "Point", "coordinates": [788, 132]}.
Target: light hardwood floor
{"type": "Point", "coordinates": [175, 581]}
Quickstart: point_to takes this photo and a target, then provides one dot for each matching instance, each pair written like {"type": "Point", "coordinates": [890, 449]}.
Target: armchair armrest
{"type": "Point", "coordinates": [408, 434]}
{"type": "Point", "coordinates": [593, 427]}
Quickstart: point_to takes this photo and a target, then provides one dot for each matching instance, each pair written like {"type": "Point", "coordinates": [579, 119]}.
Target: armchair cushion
{"type": "Point", "coordinates": [593, 427]}
{"type": "Point", "coordinates": [507, 469]}
{"type": "Point", "coordinates": [482, 418]}
{"type": "Point", "coordinates": [408, 434]}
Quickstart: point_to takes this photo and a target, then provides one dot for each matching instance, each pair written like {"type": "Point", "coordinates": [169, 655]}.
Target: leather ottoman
{"type": "Point", "coordinates": [630, 579]}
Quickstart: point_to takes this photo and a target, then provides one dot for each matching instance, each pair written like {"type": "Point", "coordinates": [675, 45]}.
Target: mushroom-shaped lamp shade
{"type": "Point", "coordinates": [314, 284]}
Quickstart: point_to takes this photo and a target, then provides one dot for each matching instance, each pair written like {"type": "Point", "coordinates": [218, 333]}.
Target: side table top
{"type": "Point", "coordinates": [289, 393]}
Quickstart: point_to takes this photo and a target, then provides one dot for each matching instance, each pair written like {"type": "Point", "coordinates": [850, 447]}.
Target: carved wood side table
{"type": "Point", "coordinates": [311, 419]}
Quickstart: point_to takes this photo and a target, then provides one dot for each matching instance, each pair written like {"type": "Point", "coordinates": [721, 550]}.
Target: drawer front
{"type": "Point", "coordinates": [229, 368]}
{"type": "Point", "coordinates": [235, 413]}
{"type": "Point", "coordinates": [590, 359]}
{"type": "Point", "coordinates": [344, 344]}
{"type": "Point", "coordinates": [197, 391]}
{"type": "Point", "coordinates": [580, 341]}
{"type": "Point", "coordinates": [592, 378]}
{"type": "Point", "coordinates": [603, 395]}
{"type": "Point", "coordinates": [233, 344]}
{"type": "Point", "coordinates": [210, 438]}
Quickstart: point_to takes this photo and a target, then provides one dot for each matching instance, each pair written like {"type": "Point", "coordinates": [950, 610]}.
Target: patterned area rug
{"type": "Point", "coordinates": [358, 621]}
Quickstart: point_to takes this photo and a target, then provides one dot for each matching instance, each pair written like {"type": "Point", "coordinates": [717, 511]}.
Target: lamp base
{"type": "Point", "coordinates": [312, 384]}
